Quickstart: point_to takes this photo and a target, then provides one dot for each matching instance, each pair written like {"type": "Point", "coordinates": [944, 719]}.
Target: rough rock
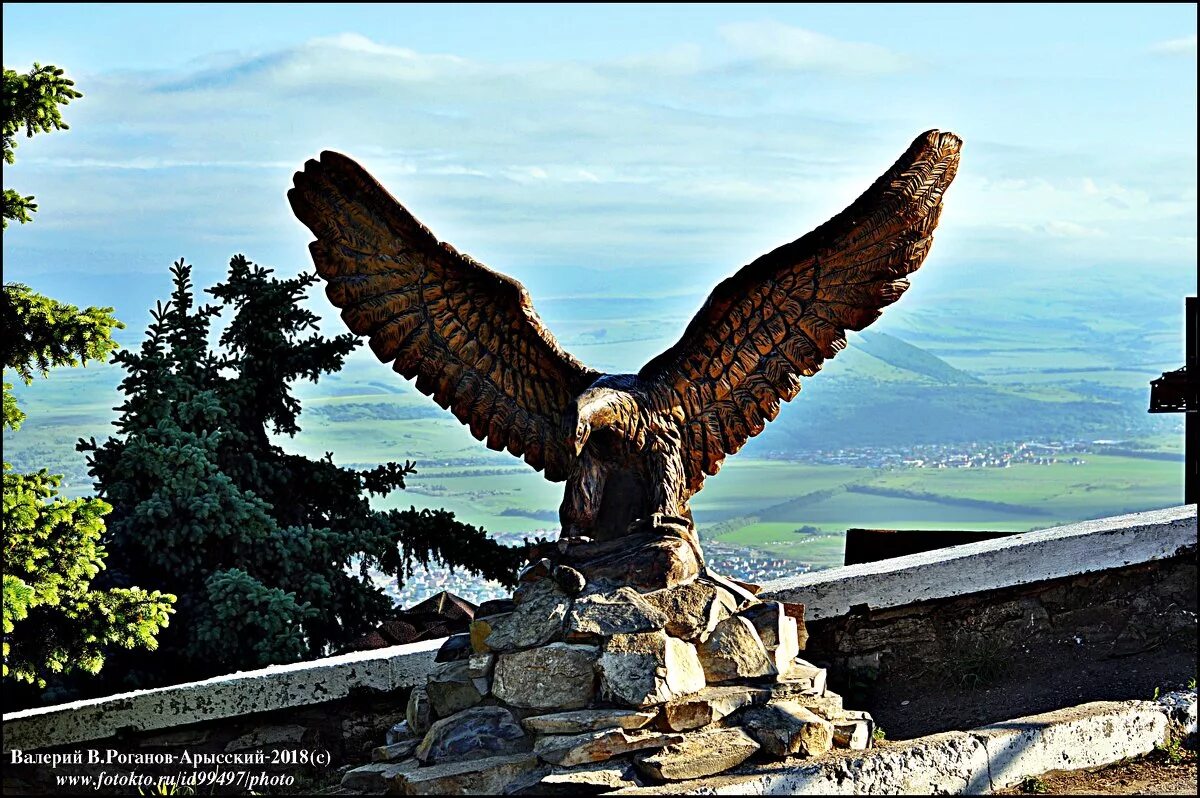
{"type": "Point", "coordinates": [584, 720]}
{"type": "Point", "coordinates": [648, 668]}
{"type": "Point", "coordinates": [418, 714]}
{"type": "Point", "coordinates": [473, 734]}
{"type": "Point", "coordinates": [778, 632]}
{"type": "Point", "coordinates": [1180, 706]}
{"type": "Point", "coordinates": [501, 606]}
{"type": "Point", "coordinates": [451, 689]}
{"type": "Point", "coordinates": [796, 611]}
{"type": "Point", "coordinates": [767, 617]}
{"type": "Point", "coordinates": [658, 563]}
{"type": "Point", "coordinates": [738, 596]}
{"type": "Point", "coordinates": [535, 571]}
{"type": "Point", "coordinates": [620, 612]}
{"type": "Point", "coordinates": [749, 587]}
{"type": "Point", "coordinates": [784, 728]}
{"type": "Point", "coordinates": [693, 610]}
{"type": "Point", "coordinates": [701, 754]}
{"type": "Point", "coordinates": [569, 580]}
{"type": "Point", "coordinates": [522, 590]}
{"type": "Point", "coordinates": [394, 752]}
{"type": "Point", "coordinates": [455, 648]}
{"type": "Point", "coordinates": [734, 652]}
{"type": "Point", "coordinates": [475, 777]}
{"type": "Point", "coordinates": [853, 730]}
{"type": "Point", "coordinates": [557, 676]}
{"type": "Point", "coordinates": [481, 628]}
{"type": "Point", "coordinates": [709, 706]}
{"type": "Point", "coordinates": [597, 746]}
{"type": "Point", "coordinates": [802, 678]}
{"type": "Point", "coordinates": [480, 666]}
{"type": "Point", "coordinates": [828, 706]}
{"type": "Point", "coordinates": [716, 702]}
{"type": "Point", "coordinates": [376, 778]}
{"type": "Point", "coordinates": [599, 778]}
{"type": "Point", "coordinates": [399, 733]}
{"type": "Point", "coordinates": [537, 620]}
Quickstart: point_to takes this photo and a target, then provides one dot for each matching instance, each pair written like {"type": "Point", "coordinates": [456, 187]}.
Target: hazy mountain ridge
{"type": "Point", "coordinates": [881, 392]}
{"type": "Point", "coordinates": [912, 359]}
{"type": "Point", "coordinates": [1017, 354]}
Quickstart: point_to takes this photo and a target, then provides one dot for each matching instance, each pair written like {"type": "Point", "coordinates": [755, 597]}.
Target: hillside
{"type": "Point", "coordinates": [880, 392]}
{"type": "Point", "coordinates": [830, 461]}
{"type": "Point", "coordinates": [910, 360]}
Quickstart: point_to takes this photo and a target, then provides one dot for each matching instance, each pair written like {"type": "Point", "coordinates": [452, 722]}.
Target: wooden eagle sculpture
{"type": "Point", "coordinates": [633, 448]}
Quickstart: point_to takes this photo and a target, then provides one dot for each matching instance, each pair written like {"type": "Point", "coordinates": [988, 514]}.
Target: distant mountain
{"type": "Point", "coordinates": [1010, 378]}
{"type": "Point", "coordinates": [885, 392]}
{"type": "Point", "coordinates": [908, 358]}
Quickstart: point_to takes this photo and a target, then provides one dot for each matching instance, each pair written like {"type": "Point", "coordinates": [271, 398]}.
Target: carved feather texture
{"type": "Point", "coordinates": [468, 336]}
{"type": "Point", "coordinates": [780, 317]}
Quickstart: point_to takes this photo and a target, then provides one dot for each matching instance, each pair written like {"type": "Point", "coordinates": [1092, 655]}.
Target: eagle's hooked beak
{"type": "Point", "coordinates": [580, 437]}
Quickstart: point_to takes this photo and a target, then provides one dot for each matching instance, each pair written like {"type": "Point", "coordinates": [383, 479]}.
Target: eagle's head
{"type": "Point", "coordinates": [605, 405]}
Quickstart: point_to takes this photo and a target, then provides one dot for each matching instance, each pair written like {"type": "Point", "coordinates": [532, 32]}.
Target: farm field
{"type": "Point", "coordinates": [771, 497]}
{"type": "Point", "coordinates": [735, 505]}
{"type": "Point", "coordinates": [1028, 497]}
{"type": "Point", "coordinates": [763, 504]}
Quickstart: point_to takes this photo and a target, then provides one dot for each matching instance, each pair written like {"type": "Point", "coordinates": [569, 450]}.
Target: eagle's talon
{"type": "Point", "coordinates": [661, 523]}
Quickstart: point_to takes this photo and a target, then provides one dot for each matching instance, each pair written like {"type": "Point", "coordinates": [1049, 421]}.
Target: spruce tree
{"type": "Point", "coordinates": [55, 620]}
{"type": "Point", "coordinates": [269, 552]}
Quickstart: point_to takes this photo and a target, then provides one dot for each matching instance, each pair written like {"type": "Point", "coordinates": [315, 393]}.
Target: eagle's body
{"type": "Point", "coordinates": [633, 448]}
{"type": "Point", "coordinates": [629, 461]}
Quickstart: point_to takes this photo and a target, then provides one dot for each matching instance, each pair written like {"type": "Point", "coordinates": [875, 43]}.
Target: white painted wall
{"type": "Point", "coordinates": [1019, 559]}
{"type": "Point", "coordinates": [1071, 550]}
{"type": "Point", "coordinates": [242, 693]}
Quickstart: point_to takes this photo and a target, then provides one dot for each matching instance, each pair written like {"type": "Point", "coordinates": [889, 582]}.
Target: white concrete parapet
{"type": "Point", "coordinates": [974, 762]}
{"type": "Point", "coordinates": [275, 687]}
{"type": "Point", "coordinates": [1019, 559]}
{"type": "Point", "coordinates": [992, 564]}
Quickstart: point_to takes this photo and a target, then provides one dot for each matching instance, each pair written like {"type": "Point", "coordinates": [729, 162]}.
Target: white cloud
{"type": "Point", "coordinates": [1064, 229]}
{"type": "Point", "coordinates": [670, 164]}
{"type": "Point", "coordinates": [1048, 217]}
{"type": "Point", "coordinates": [680, 59]}
{"type": "Point", "coordinates": [146, 163]}
{"type": "Point", "coordinates": [796, 48]}
{"type": "Point", "coordinates": [1185, 45]}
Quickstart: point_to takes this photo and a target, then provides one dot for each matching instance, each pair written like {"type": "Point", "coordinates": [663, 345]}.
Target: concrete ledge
{"type": "Point", "coordinates": [1019, 559]}
{"type": "Point", "coordinates": [993, 564]}
{"type": "Point", "coordinates": [932, 765]}
{"type": "Point", "coordinates": [1067, 739]}
{"type": "Point", "coordinates": [979, 761]}
{"type": "Point", "coordinates": [242, 693]}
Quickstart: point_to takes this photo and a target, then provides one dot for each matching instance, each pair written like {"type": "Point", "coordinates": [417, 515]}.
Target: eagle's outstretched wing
{"type": "Point", "coordinates": [469, 335]}
{"type": "Point", "coordinates": [781, 316]}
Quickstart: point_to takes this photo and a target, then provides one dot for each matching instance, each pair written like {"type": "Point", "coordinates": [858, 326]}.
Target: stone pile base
{"type": "Point", "coordinates": [582, 685]}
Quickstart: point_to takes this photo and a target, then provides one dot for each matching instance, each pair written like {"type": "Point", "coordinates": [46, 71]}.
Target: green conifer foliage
{"type": "Point", "coordinates": [268, 551]}
{"type": "Point", "coordinates": [31, 101]}
{"type": "Point", "coordinates": [54, 620]}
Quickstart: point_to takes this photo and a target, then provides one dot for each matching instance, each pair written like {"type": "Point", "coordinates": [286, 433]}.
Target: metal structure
{"type": "Point", "coordinates": [1179, 392]}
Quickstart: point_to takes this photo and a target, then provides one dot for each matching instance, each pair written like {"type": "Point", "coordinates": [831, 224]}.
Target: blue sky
{"type": "Point", "coordinates": [613, 150]}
